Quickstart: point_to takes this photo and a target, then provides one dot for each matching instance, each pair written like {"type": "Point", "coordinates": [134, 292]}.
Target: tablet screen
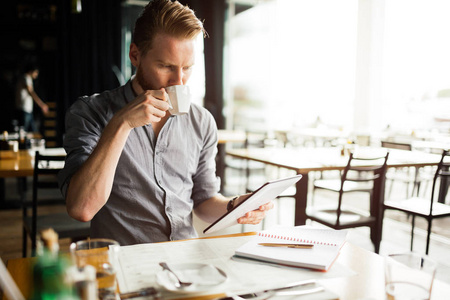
{"type": "Point", "coordinates": [265, 193]}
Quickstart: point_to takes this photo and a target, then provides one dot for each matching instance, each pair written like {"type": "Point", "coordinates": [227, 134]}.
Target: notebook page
{"type": "Point", "coordinates": [327, 243]}
{"type": "Point", "coordinates": [303, 234]}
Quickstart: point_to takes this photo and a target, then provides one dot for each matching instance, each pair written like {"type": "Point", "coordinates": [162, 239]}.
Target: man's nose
{"type": "Point", "coordinates": [178, 77]}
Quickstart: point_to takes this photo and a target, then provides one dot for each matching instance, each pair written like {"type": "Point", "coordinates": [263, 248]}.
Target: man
{"type": "Point", "coordinates": [25, 95]}
{"type": "Point", "coordinates": [132, 168]}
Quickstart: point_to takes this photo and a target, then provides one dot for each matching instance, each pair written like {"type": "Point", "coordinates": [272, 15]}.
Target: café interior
{"type": "Point", "coordinates": [295, 87]}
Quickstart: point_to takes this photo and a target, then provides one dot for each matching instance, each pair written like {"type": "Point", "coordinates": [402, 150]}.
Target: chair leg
{"type": "Point", "coordinates": [33, 244]}
{"type": "Point", "coordinates": [412, 231]}
{"type": "Point", "coordinates": [375, 236]}
{"type": "Point", "coordinates": [428, 236]}
{"type": "Point", "coordinates": [24, 243]}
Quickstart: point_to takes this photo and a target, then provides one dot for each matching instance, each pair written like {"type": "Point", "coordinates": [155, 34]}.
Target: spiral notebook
{"type": "Point", "coordinates": [326, 245]}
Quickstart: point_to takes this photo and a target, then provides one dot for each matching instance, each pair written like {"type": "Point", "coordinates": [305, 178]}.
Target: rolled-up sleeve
{"type": "Point", "coordinates": [83, 130]}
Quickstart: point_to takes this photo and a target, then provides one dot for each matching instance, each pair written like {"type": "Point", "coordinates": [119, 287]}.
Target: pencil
{"type": "Point", "coordinates": [286, 245]}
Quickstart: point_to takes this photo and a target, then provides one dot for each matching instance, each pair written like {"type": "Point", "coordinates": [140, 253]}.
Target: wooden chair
{"type": "Point", "coordinates": [361, 174]}
{"type": "Point", "coordinates": [407, 176]}
{"type": "Point", "coordinates": [428, 208]}
{"type": "Point", "coordinates": [46, 193]}
{"type": "Point", "coordinates": [334, 184]}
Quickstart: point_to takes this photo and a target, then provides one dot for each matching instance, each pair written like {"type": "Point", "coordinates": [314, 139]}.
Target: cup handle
{"type": "Point", "coordinates": [170, 102]}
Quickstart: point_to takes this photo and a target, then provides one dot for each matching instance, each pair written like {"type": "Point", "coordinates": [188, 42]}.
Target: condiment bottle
{"type": "Point", "coordinates": [49, 272]}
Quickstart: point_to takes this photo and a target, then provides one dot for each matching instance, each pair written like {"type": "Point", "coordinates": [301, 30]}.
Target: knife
{"type": "Point", "coordinates": [287, 290]}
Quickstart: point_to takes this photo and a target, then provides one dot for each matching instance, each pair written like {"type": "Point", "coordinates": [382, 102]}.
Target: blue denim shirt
{"type": "Point", "coordinates": [157, 182]}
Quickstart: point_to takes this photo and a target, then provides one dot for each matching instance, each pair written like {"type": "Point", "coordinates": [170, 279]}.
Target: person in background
{"type": "Point", "coordinates": [26, 97]}
{"type": "Point", "coordinates": [134, 170]}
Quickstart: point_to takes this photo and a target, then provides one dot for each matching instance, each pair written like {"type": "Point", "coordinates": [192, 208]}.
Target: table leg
{"type": "Point", "coordinates": [376, 210]}
{"type": "Point", "coordinates": [443, 188]}
{"type": "Point", "coordinates": [301, 198]}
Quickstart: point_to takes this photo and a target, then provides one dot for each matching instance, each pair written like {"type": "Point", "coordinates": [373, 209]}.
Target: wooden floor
{"type": "Point", "coordinates": [11, 224]}
{"type": "Point", "coordinates": [11, 234]}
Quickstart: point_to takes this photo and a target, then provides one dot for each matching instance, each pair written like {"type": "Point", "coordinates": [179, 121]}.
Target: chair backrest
{"type": "Point", "coordinates": [395, 145]}
{"type": "Point", "coordinates": [363, 169]}
{"type": "Point", "coordinates": [372, 166]}
{"type": "Point", "coordinates": [46, 168]}
{"type": "Point", "coordinates": [443, 175]}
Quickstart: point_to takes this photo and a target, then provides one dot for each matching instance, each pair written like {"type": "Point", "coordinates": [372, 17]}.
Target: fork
{"type": "Point", "coordinates": [178, 283]}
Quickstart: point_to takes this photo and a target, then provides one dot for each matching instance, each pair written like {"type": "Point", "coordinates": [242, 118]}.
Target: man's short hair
{"type": "Point", "coordinates": [166, 17]}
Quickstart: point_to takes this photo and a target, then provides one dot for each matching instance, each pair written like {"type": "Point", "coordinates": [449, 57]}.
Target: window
{"type": "Point", "coordinates": [356, 64]}
{"type": "Point", "coordinates": [288, 60]}
{"type": "Point", "coordinates": [416, 64]}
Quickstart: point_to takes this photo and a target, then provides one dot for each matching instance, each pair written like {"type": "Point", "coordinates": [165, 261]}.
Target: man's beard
{"type": "Point", "coordinates": [145, 85]}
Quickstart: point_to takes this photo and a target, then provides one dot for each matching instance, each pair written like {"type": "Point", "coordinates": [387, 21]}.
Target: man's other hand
{"type": "Point", "coordinates": [257, 215]}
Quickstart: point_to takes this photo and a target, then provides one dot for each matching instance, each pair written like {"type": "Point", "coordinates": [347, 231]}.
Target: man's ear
{"type": "Point", "coordinates": [134, 54]}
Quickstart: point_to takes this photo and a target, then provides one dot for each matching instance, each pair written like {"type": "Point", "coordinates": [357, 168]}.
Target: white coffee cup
{"type": "Point", "coordinates": [179, 99]}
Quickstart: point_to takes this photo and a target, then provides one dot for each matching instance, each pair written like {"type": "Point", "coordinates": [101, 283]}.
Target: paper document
{"type": "Point", "coordinates": [139, 265]}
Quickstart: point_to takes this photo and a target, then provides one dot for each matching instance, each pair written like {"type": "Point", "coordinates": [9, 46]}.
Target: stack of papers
{"type": "Point", "coordinates": [139, 267]}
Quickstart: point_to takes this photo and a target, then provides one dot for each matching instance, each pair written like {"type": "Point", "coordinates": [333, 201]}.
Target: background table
{"type": "Point", "coordinates": [16, 164]}
{"type": "Point", "coordinates": [19, 165]}
{"type": "Point", "coordinates": [306, 160]}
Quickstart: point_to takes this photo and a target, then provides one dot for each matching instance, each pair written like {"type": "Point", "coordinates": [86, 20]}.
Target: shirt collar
{"type": "Point", "coordinates": [128, 90]}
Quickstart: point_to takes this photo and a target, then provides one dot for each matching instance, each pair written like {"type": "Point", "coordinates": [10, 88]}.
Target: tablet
{"type": "Point", "coordinates": [265, 193]}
